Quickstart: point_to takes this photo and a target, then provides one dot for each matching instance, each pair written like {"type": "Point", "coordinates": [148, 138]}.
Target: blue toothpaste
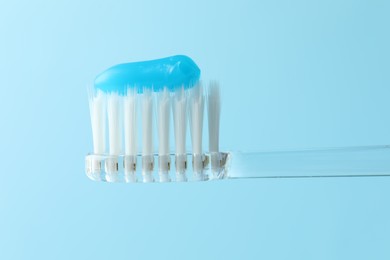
{"type": "Point", "coordinates": [171, 72]}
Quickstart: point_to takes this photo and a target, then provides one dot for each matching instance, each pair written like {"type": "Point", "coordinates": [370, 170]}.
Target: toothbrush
{"type": "Point", "coordinates": [151, 94]}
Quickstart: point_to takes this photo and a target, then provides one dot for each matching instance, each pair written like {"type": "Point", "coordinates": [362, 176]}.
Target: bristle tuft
{"type": "Point", "coordinates": [123, 113]}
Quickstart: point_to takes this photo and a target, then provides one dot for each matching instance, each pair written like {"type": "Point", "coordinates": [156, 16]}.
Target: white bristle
{"type": "Point", "coordinates": [163, 112]}
{"type": "Point", "coordinates": [163, 116]}
{"type": "Point", "coordinates": [114, 123]}
{"type": "Point", "coordinates": [130, 120]}
{"type": "Point", "coordinates": [180, 124]}
{"type": "Point", "coordinates": [196, 118]}
{"type": "Point", "coordinates": [147, 123]}
{"type": "Point", "coordinates": [147, 135]}
{"type": "Point", "coordinates": [180, 120]}
{"type": "Point", "coordinates": [214, 112]}
{"type": "Point", "coordinates": [98, 121]}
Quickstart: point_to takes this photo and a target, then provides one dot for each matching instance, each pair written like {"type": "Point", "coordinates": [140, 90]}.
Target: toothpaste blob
{"type": "Point", "coordinates": [172, 72]}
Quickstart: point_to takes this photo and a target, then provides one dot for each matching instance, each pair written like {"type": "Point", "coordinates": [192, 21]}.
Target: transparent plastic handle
{"type": "Point", "coordinates": [365, 161]}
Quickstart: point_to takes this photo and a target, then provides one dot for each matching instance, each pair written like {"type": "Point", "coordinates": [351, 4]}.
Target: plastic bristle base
{"type": "Point", "coordinates": [108, 168]}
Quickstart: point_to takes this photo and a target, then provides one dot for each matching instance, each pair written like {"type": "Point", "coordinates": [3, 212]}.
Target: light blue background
{"type": "Point", "coordinates": [294, 74]}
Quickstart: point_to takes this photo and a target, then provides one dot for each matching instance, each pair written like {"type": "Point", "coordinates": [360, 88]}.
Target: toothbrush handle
{"type": "Point", "coordinates": [365, 161]}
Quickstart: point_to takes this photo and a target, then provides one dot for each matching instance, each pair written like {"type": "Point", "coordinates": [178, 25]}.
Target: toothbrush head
{"type": "Point", "coordinates": [138, 93]}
